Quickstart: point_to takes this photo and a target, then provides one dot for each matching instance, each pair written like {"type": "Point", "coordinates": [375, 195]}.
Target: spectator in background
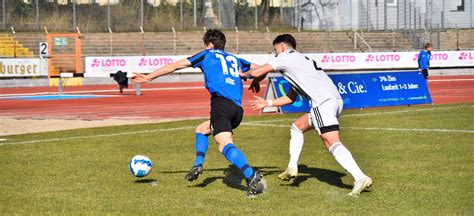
{"type": "Point", "coordinates": [424, 60]}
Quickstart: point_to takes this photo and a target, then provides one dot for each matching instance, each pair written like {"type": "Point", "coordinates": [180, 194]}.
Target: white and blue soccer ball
{"type": "Point", "coordinates": [140, 165]}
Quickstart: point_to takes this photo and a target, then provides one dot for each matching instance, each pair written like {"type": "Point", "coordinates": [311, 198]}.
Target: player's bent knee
{"type": "Point", "coordinates": [330, 135]}
{"type": "Point", "coordinates": [295, 128]}
{"type": "Point", "coordinates": [223, 139]}
{"type": "Point", "coordinates": [204, 128]}
{"type": "Point", "coordinates": [222, 146]}
{"type": "Point", "coordinates": [303, 123]}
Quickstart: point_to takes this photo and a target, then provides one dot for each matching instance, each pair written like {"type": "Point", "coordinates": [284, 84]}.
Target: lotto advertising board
{"type": "Point", "coordinates": [103, 66]}
{"type": "Point", "coordinates": [391, 60]}
{"type": "Point", "coordinates": [364, 90]}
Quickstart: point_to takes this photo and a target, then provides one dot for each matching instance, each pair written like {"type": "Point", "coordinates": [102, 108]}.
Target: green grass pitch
{"type": "Point", "coordinates": [420, 158]}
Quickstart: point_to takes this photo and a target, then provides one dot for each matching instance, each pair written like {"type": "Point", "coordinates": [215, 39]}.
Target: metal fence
{"type": "Point", "coordinates": [158, 15]}
{"type": "Point", "coordinates": [151, 15]}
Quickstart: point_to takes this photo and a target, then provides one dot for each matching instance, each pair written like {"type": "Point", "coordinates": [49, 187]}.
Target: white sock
{"type": "Point", "coordinates": [296, 145]}
{"type": "Point", "coordinates": [344, 157]}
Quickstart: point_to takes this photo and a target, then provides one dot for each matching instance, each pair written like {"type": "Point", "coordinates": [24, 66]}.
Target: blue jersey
{"type": "Point", "coordinates": [424, 59]}
{"type": "Point", "coordinates": [221, 73]}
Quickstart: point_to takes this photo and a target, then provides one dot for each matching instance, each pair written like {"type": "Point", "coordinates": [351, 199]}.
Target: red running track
{"type": "Point", "coordinates": [164, 101]}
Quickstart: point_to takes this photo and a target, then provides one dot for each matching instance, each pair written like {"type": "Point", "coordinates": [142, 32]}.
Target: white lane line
{"type": "Point", "coordinates": [451, 80]}
{"type": "Point", "coordinates": [110, 90]}
{"type": "Point", "coordinates": [97, 136]}
{"type": "Point", "coordinates": [129, 117]}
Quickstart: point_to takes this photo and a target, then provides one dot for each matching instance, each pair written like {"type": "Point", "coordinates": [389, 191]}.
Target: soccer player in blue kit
{"type": "Point", "coordinates": [424, 60]}
{"type": "Point", "coordinates": [222, 80]}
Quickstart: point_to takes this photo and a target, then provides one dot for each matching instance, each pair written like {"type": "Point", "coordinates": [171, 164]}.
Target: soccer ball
{"type": "Point", "coordinates": [140, 165]}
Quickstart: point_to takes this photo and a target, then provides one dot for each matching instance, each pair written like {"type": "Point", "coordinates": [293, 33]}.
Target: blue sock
{"type": "Point", "coordinates": [235, 157]}
{"type": "Point", "coordinates": [201, 148]}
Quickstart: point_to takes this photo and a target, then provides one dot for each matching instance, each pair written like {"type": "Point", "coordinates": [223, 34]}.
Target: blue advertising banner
{"type": "Point", "coordinates": [281, 87]}
{"type": "Point", "coordinates": [367, 90]}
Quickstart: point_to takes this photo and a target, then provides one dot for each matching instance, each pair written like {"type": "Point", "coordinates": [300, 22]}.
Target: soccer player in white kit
{"type": "Point", "coordinates": [308, 79]}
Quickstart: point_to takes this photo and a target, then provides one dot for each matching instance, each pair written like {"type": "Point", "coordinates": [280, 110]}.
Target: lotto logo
{"type": "Point", "coordinates": [382, 58]}
{"type": "Point", "coordinates": [434, 57]}
{"type": "Point", "coordinates": [465, 56]}
{"type": "Point", "coordinates": [108, 63]}
{"type": "Point", "coordinates": [338, 58]}
{"type": "Point", "coordinates": [154, 61]}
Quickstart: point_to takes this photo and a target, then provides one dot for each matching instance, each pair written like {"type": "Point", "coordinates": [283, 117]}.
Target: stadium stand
{"type": "Point", "coordinates": [453, 39]}
{"type": "Point", "coordinates": [9, 47]}
{"type": "Point", "coordinates": [385, 41]}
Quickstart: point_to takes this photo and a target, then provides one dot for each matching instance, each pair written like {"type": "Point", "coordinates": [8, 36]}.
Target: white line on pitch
{"type": "Point", "coordinates": [369, 114]}
{"type": "Point", "coordinates": [410, 129]}
{"type": "Point", "coordinates": [376, 128]}
{"type": "Point", "coordinates": [3, 139]}
{"type": "Point", "coordinates": [99, 135]}
{"type": "Point", "coordinates": [403, 111]}
{"type": "Point", "coordinates": [259, 123]}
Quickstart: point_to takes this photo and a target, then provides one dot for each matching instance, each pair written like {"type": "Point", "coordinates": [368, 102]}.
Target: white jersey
{"type": "Point", "coordinates": [305, 76]}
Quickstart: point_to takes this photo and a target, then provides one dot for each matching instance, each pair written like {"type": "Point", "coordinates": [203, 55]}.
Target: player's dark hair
{"type": "Point", "coordinates": [216, 37]}
{"type": "Point", "coordinates": [285, 38]}
{"type": "Point", "coordinates": [427, 45]}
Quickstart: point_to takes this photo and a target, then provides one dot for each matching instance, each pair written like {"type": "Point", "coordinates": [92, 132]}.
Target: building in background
{"type": "Point", "coordinates": [384, 14]}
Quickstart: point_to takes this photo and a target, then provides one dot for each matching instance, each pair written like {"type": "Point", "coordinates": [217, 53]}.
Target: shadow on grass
{"type": "Point", "coordinates": [328, 176]}
{"type": "Point", "coordinates": [233, 177]}
{"type": "Point", "coordinates": [145, 181]}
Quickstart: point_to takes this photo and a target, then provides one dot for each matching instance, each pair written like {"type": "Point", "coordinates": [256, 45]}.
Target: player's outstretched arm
{"type": "Point", "coordinates": [260, 103]}
{"type": "Point", "coordinates": [170, 68]}
{"type": "Point", "coordinates": [255, 85]}
{"type": "Point", "coordinates": [254, 66]}
{"type": "Point", "coordinates": [257, 72]}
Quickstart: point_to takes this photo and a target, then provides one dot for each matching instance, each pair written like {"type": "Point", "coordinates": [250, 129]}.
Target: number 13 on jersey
{"type": "Point", "coordinates": [233, 68]}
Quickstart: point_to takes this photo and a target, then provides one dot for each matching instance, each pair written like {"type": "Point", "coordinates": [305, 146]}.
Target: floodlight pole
{"type": "Point", "coordinates": [368, 14]}
{"type": "Point", "coordinates": [73, 15]}
{"type": "Point", "coordinates": [256, 18]}
{"type": "Point", "coordinates": [141, 13]}
{"type": "Point", "coordinates": [281, 11]}
{"type": "Point", "coordinates": [194, 12]}
{"type": "Point", "coordinates": [4, 16]}
{"type": "Point", "coordinates": [218, 13]}
{"type": "Point", "coordinates": [385, 15]}
{"type": "Point", "coordinates": [350, 14]}
{"type": "Point", "coordinates": [37, 15]}
{"type": "Point", "coordinates": [108, 14]}
{"type": "Point", "coordinates": [181, 14]}
{"type": "Point", "coordinates": [470, 11]}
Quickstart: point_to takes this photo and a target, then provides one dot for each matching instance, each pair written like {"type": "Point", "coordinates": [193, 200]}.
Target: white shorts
{"type": "Point", "coordinates": [324, 117]}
